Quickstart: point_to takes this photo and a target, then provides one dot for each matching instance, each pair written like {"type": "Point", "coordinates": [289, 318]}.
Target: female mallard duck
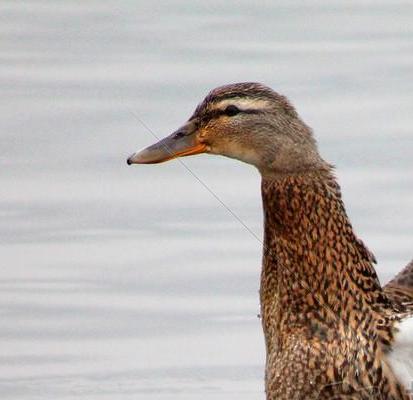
{"type": "Point", "coordinates": [331, 330]}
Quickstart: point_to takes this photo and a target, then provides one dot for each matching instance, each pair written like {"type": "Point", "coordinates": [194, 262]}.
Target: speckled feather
{"type": "Point", "coordinates": [401, 287]}
{"type": "Point", "coordinates": [327, 322]}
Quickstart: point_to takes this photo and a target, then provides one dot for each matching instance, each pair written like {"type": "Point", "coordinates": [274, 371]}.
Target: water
{"type": "Point", "coordinates": [134, 282]}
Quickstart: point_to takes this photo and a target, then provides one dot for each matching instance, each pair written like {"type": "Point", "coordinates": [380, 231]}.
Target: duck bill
{"type": "Point", "coordinates": [179, 144]}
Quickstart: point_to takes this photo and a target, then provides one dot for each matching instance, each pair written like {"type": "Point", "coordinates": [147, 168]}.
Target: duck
{"type": "Point", "coordinates": [331, 330]}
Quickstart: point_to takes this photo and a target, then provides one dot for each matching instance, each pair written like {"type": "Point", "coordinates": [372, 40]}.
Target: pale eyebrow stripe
{"type": "Point", "coordinates": [242, 103]}
{"type": "Point", "coordinates": [246, 106]}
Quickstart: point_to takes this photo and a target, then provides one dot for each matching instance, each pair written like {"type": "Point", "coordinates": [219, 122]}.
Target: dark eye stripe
{"type": "Point", "coordinates": [252, 111]}
{"type": "Point", "coordinates": [213, 114]}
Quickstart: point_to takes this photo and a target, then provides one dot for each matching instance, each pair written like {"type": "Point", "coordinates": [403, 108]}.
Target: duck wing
{"type": "Point", "coordinates": [400, 288]}
{"type": "Point", "coordinates": [400, 357]}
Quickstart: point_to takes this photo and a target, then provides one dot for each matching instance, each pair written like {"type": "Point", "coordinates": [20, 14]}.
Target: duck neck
{"type": "Point", "coordinates": [314, 267]}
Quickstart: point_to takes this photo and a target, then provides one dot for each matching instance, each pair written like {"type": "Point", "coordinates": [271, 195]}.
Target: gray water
{"type": "Point", "coordinates": [124, 282]}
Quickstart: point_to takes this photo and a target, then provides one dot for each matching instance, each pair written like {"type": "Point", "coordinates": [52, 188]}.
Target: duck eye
{"type": "Point", "coordinates": [232, 110]}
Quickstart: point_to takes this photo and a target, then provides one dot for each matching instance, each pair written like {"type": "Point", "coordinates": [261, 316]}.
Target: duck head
{"type": "Point", "coordinates": [246, 121]}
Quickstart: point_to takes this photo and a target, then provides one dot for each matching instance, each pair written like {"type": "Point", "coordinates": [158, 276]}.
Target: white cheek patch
{"type": "Point", "coordinates": [247, 155]}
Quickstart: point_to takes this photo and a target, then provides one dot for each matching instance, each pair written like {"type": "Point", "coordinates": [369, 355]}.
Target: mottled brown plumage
{"type": "Point", "coordinates": [324, 312]}
{"type": "Point", "coordinates": [329, 326]}
{"type": "Point", "coordinates": [401, 287]}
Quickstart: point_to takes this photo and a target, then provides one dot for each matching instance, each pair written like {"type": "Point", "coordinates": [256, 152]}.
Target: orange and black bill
{"type": "Point", "coordinates": [183, 142]}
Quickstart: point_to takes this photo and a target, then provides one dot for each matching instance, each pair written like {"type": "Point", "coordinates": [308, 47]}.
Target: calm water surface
{"type": "Point", "coordinates": [120, 282]}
